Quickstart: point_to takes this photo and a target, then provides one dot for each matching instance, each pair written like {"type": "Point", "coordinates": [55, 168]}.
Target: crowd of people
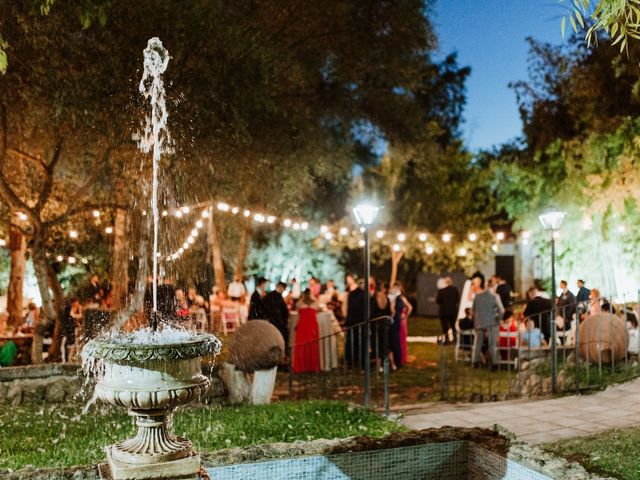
{"type": "Point", "coordinates": [485, 321]}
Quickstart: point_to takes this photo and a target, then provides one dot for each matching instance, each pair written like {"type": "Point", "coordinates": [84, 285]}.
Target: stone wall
{"type": "Point", "coordinates": [65, 383]}
{"type": "Point", "coordinates": [39, 384]}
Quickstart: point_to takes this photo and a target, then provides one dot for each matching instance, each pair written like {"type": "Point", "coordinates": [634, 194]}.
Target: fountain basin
{"type": "Point", "coordinates": [151, 379]}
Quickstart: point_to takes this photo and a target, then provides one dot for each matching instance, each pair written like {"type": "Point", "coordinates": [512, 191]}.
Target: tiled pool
{"type": "Point", "coordinates": [434, 461]}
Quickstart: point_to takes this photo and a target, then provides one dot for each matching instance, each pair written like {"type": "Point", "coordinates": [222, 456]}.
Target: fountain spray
{"type": "Point", "coordinates": [156, 134]}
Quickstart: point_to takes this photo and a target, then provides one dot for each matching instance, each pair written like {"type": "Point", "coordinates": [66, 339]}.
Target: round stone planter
{"type": "Point", "coordinates": [151, 380]}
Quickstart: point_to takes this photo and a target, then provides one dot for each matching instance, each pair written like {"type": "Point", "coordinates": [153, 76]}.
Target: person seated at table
{"type": "Point", "coordinates": [465, 324]}
{"type": "Point", "coordinates": [634, 333]}
{"type": "Point", "coordinates": [507, 345]}
{"type": "Point", "coordinates": [31, 319]}
{"type": "Point", "coordinates": [532, 337]}
{"type": "Point", "coordinates": [199, 314]}
{"type": "Point", "coordinates": [70, 323]}
{"type": "Point", "coordinates": [306, 351]}
{"type": "Point", "coordinates": [8, 353]}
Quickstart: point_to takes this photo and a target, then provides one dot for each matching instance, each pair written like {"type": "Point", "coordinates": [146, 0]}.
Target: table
{"type": "Point", "coordinates": [328, 328]}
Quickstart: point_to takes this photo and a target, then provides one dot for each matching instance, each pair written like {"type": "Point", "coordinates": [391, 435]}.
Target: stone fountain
{"type": "Point", "coordinates": [152, 371]}
{"type": "Point", "coordinates": [151, 378]}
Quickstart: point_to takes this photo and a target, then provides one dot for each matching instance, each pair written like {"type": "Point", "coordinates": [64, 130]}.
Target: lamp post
{"type": "Point", "coordinates": [551, 221]}
{"type": "Point", "coordinates": [365, 215]}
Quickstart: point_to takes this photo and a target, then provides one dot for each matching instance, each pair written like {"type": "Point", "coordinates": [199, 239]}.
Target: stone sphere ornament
{"type": "Point", "coordinates": [603, 338]}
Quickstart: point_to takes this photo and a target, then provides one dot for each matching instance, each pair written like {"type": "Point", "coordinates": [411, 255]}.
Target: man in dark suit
{"type": "Point", "coordinates": [566, 303]}
{"type": "Point", "coordinates": [277, 311]}
{"type": "Point", "coordinates": [447, 300]}
{"type": "Point", "coordinates": [256, 306]}
{"type": "Point", "coordinates": [538, 309]}
{"type": "Point", "coordinates": [503, 290]}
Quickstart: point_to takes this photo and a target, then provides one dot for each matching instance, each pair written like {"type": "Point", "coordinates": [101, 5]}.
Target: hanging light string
{"type": "Point", "coordinates": [327, 232]}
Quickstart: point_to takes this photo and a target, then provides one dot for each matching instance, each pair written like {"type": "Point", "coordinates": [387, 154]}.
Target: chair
{"type": "Point", "coordinates": [230, 320]}
{"type": "Point", "coordinates": [464, 341]}
{"type": "Point", "coordinates": [510, 349]}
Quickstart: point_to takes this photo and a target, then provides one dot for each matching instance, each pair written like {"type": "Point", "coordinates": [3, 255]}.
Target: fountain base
{"type": "Point", "coordinates": [187, 468]}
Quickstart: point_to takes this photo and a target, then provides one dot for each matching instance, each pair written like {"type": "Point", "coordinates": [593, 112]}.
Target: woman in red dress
{"type": "Point", "coordinates": [306, 350]}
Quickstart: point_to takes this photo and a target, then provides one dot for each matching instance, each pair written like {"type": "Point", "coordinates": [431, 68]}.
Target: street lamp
{"type": "Point", "coordinates": [551, 222]}
{"type": "Point", "coordinates": [365, 216]}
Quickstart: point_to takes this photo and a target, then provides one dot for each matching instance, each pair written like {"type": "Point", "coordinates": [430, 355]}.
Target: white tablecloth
{"type": "Point", "coordinates": [328, 327]}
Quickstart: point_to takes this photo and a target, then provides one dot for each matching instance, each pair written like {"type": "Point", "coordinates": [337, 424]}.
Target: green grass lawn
{"type": "Point", "coordinates": [615, 453]}
{"type": "Point", "coordinates": [57, 436]}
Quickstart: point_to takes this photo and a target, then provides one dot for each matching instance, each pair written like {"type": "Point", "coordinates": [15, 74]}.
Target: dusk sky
{"type": "Point", "coordinates": [489, 36]}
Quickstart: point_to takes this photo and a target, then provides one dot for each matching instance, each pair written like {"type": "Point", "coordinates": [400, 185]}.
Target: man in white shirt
{"type": "Point", "coordinates": [236, 289]}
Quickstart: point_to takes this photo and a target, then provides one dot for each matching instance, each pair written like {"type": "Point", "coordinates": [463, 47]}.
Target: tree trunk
{"type": "Point", "coordinates": [59, 304]}
{"type": "Point", "coordinates": [216, 254]}
{"type": "Point", "coordinates": [18, 248]}
{"type": "Point", "coordinates": [41, 267]}
{"type": "Point", "coordinates": [395, 260]}
{"type": "Point", "coordinates": [242, 249]}
{"type": "Point", "coordinates": [120, 262]}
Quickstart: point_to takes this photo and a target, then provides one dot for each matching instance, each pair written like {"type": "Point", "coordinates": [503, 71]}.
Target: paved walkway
{"type": "Point", "coordinates": [538, 421]}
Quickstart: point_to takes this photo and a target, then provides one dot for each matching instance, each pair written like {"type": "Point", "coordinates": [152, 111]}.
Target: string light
{"type": "Point", "coordinates": [500, 236]}
{"type": "Point", "coordinates": [59, 258]}
{"type": "Point", "coordinates": [324, 229]}
{"type": "Point", "coordinates": [344, 231]}
{"type": "Point", "coordinates": [185, 246]}
{"type": "Point", "coordinates": [3, 242]}
{"type": "Point", "coordinates": [328, 235]}
{"type": "Point", "coordinates": [473, 237]}
{"type": "Point", "coordinates": [380, 233]}
{"type": "Point", "coordinates": [194, 232]}
{"type": "Point", "coordinates": [22, 216]}
{"type": "Point", "coordinates": [422, 237]}
{"type": "Point", "coordinates": [396, 247]}
{"type": "Point", "coordinates": [223, 207]}
{"type": "Point", "coordinates": [205, 213]}
{"type": "Point", "coordinates": [271, 219]}
{"type": "Point", "coordinates": [73, 234]}
{"type": "Point", "coordinates": [361, 243]}
{"type": "Point", "coordinates": [199, 224]}
{"type": "Point", "coordinates": [247, 213]}
{"type": "Point", "coordinates": [71, 260]}
{"type": "Point", "coordinates": [190, 239]}
{"type": "Point", "coordinates": [402, 237]}
{"type": "Point", "coordinates": [429, 250]}
{"type": "Point", "coordinates": [296, 226]}
{"type": "Point", "coordinates": [84, 260]}
{"type": "Point", "coordinates": [446, 237]}
{"type": "Point", "coordinates": [304, 225]}
{"type": "Point", "coordinates": [235, 210]}
{"type": "Point", "coordinates": [185, 210]}
{"type": "Point", "coordinates": [462, 252]}
{"type": "Point", "coordinates": [108, 230]}
{"type": "Point", "coordinates": [178, 214]}
{"type": "Point", "coordinates": [164, 213]}
{"type": "Point", "coordinates": [96, 213]}
{"type": "Point", "coordinates": [287, 222]}
{"type": "Point", "coordinates": [258, 217]}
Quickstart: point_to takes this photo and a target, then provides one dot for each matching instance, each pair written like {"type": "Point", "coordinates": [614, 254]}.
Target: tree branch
{"type": "Point", "coordinates": [6, 192]}
{"type": "Point", "coordinates": [27, 156]}
{"type": "Point", "coordinates": [48, 182]}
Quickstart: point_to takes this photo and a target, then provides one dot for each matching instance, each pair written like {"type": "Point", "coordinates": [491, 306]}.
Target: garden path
{"type": "Point", "coordinates": [537, 421]}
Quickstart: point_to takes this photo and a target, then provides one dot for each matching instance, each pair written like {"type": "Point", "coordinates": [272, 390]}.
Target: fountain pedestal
{"type": "Point", "coordinates": [151, 380]}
